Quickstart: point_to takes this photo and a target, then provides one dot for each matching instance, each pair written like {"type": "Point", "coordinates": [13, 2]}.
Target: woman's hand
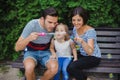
{"type": "Point", "coordinates": [78, 39]}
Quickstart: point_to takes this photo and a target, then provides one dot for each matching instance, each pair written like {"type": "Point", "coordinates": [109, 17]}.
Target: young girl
{"type": "Point", "coordinates": [62, 48]}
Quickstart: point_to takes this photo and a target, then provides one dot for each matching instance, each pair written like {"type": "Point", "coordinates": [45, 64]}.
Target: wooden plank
{"type": "Point", "coordinates": [110, 64]}
{"type": "Point", "coordinates": [108, 33]}
{"type": "Point", "coordinates": [109, 45]}
{"type": "Point", "coordinates": [106, 29]}
{"type": "Point", "coordinates": [110, 51]}
{"type": "Point", "coordinates": [103, 70]}
{"type": "Point", "coordinates": [118, 39]}
{"type": "Point", "coordinates": [17, 65]}
{"type": "Point", "coordinates": [110, 61]}
{"type": "Point", "coordinates": [111, 57]}
{"type": "Point", "coordinates": [108, 39]}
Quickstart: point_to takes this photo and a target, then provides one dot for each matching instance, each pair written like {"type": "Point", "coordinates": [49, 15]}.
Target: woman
{"type": "Point", "coordinates": [85, 37]}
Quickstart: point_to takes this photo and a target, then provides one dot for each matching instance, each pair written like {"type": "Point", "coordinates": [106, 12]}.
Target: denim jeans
{"type": "Point", "coordinates": [63, 64]}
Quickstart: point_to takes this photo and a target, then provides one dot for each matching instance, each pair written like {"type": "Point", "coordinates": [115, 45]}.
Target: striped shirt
{"type": "Point", "coordinates": [34, 26]}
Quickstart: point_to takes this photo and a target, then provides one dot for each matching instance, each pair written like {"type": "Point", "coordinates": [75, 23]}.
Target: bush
{"type": "Point", "coordinates": [15, 15]}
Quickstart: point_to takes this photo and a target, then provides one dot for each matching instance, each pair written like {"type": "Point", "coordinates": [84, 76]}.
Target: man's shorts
{"type": "Point", "coordinates": [40, 57]}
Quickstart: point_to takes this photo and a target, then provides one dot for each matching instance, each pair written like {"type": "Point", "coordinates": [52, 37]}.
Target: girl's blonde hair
{"type": "Point", "coordinates": [67, 36]}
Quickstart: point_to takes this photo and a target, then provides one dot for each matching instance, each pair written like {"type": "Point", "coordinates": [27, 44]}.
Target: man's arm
{"type": "Point", "coordinates": [22, 42]}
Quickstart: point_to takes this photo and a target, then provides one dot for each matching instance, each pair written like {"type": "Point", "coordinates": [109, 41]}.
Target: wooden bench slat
{"type": "Point", "coordinates": [108, 39]}
{"type": "Point", "coordinates": [111, 51]}
{"type": "Point", "coordinates": [103, 70]}
{"type": "Point", "coordinates": [109, 60]}
{"type": "Point", "coordinates": [108, 33]}
{"type": "Point", "coordinates": [109, 45]}
{"type": "Point", "coordinates": [109, 64]}
{"type": "Point", "coordinates": [118, 39]}
{"type": "Point", "coordinates": [110, 57]}
{"type": "Point", "coordinates": [107, 29]}
{"type": "Point", "coordinates": [17, 65]}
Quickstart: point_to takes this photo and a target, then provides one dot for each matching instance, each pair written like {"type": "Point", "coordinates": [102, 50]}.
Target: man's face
{"type": "Point", "coordinates": [50, 22]}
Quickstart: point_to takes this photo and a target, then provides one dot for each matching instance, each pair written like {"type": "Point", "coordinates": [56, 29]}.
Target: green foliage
{"type": "Point", "coordinates": [14, 14]}
{"type": "Point", "coordinates": [102, 12]}
{"type": "Point", "coordinates": [20, 74]}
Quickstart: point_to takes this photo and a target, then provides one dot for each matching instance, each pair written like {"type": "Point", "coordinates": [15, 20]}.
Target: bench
{"type": "Point", "coordinates": [109, 42]}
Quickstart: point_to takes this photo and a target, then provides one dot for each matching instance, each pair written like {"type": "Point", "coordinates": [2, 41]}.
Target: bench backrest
{"type": "Point", "coordinates": [109, 43]}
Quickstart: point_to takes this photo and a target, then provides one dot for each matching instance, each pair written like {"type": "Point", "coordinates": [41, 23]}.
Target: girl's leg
{"type": "Point", "coordinates": [64, 68]}
{"type": "Point", "coordinates": [60, 63]}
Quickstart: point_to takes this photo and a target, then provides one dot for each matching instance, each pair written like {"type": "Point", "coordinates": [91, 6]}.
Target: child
{"type": "Point", "coordinates": [61, 47]}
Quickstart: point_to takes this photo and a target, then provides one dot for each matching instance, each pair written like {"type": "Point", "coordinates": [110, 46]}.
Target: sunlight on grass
{"type": "Point", "coordinates": [4, 69]}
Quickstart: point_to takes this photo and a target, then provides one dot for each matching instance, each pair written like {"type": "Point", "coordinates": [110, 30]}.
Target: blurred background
{"type": "Point", "coordinates": [14, 15]}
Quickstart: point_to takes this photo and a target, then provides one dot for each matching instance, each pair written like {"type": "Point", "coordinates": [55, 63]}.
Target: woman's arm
{"type": "Point", "coordinates": [87, 46]}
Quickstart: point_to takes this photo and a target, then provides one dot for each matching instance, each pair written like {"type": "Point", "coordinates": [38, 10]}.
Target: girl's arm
{"type": "Point", "coordinates": [52, 49]}
{"type": "Point", "coordinates": [74, 51]}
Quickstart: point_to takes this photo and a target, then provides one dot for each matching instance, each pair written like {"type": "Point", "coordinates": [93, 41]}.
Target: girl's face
{"type": "Point", "coordinates": [60, 32]}
{"type": "Point", "coordinates": [77, 21]}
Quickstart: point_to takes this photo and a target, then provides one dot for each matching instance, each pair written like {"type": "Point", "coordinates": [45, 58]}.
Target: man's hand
{"type": "Point", "coordinates": [33, 36]}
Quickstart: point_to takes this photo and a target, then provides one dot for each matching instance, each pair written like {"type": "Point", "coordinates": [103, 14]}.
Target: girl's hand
{"type": "Point", "coordinates": [74, 59]}
{"type": "Point", "coordinates": [53, 57]}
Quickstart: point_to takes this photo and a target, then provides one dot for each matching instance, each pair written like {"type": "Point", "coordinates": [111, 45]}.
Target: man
{"type": "Point", "coordinates": [37, 47]}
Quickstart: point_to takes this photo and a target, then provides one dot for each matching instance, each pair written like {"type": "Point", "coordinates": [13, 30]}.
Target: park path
{"type": "Point", "coordinates": [9, 73]}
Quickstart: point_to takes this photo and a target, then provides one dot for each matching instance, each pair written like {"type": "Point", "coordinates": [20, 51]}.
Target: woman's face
{"type": "Point", "coordinates": [77, 21]}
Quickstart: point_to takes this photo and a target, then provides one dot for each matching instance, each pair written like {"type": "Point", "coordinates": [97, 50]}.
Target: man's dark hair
{"type": "Point", "coordinates": [49, 11]}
